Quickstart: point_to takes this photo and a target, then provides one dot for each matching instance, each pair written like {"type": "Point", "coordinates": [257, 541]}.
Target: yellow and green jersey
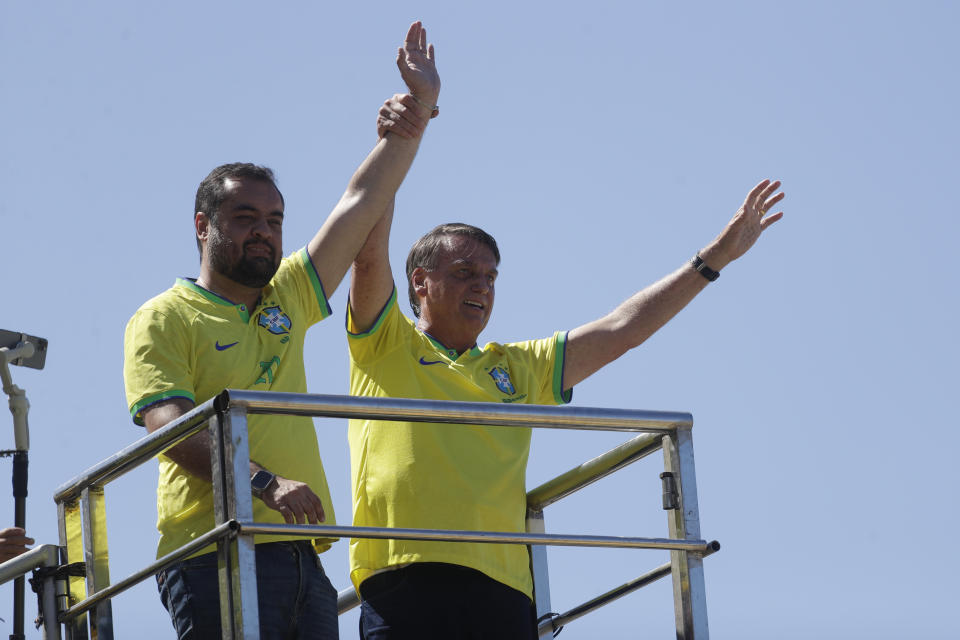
{"type": "Point", "coordinates": [191, 343]}
{"type": "Point", "coordinates": [436, 476]}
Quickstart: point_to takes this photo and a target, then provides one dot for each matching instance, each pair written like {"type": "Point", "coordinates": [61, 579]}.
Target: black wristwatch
{"type": "Point", "coordinates": [697, 263]}
{"type": "Point", "coordinates": [260, 482]}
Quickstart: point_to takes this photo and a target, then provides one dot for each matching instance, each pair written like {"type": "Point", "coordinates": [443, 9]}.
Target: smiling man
{"type": "Point", "coordinates": [241, 324]}
{"type": "Point", "coordinates": [423, 475]}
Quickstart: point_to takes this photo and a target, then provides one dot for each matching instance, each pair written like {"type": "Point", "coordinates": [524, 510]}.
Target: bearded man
{"type": "Point", "coordinates": [241, 324]}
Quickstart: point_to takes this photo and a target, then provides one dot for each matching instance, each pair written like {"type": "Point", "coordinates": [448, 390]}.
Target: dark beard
{"type": "Point", "coordinates": [250, 272]}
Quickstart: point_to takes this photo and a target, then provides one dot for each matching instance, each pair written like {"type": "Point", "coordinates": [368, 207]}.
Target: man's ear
{"type": "Point", "coordinates": [201, 223]}
{"type": "Point", "coordinates": [418, 278]}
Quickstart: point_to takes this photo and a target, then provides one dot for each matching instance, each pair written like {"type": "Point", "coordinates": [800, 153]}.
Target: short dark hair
{"type": "Point", "coordinates": [212, 191]}
{"type": "Point", "coordinates": [425, 252]}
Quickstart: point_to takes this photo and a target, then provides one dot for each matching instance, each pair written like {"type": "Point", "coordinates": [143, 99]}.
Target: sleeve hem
{"type": "Point", "coordinates": [318, 291]}
{"type": "Point", "coordinates": [380, 317]}
{"type": "Point", "coordinates": [559, 395]}
{"type": "Point", "coordinates": [136, 410]}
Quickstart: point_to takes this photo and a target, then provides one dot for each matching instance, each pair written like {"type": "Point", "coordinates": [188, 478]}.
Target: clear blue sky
{"type": "Point", "coordinates": [602, 144]}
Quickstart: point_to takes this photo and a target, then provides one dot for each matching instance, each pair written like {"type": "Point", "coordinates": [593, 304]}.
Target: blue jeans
{"type": "Point", "coordinates": [295, 597]}
{"type": "Point", "coordinates": [439, 601]}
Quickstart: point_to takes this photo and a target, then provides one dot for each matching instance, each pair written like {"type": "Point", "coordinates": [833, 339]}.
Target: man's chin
{"type": "Point", "coordinates": [255, 273]}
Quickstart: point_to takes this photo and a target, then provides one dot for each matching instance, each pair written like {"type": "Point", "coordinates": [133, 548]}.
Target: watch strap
{"type": "Point", "coordinates": [702, 268]}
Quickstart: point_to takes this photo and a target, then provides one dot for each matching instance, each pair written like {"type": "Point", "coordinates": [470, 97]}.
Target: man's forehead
{"type": "Point", "coordinates": [458, 248]}
{"type": "Point", "coordinates": [245, 188]}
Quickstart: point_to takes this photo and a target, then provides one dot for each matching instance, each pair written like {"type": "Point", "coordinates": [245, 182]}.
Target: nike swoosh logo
{"type": "Point", "coordinates": [422, 361]}
{"type": "Point", "coordinates": [221, 347]}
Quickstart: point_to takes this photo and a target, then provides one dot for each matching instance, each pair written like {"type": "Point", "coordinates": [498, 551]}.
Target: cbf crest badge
{"type": "Point", "coordinates": [274, 320]}
{"type": "Point", "coordinates": [502, 378]}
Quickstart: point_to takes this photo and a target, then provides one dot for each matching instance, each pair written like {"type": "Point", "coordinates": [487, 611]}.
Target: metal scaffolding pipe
{"type": "Point", "coordinates": [449, 412]}
{"type": "Point", "coordinates": [549, 626]}
{"type": "Point", "coordinates": [495, 537]}
{"type": "Point", "coordinates": [592, 470]}
{"type": "Point", "coordinates": [45, 555]}
{"type": "Point", "coordinates": [137, 453]}
{"type": "Point", "coordinates": [347, 599]}
{"type": "Point", "coordinates": [217, 533]}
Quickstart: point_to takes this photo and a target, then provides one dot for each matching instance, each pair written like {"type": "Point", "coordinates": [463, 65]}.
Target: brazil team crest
{"type": "Point", "coordinates": [274, 320]}
{"type": "Point", "coordinates": [502, 378]}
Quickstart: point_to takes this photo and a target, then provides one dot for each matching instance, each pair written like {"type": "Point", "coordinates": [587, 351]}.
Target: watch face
{"type": "Point", "coordinates": [261, 480]}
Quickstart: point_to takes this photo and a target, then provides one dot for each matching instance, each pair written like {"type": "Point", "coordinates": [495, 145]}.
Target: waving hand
{"type": "Point", "coordinates": [749, 222]}
{"type": "Point", "coordinates": [417, 66]}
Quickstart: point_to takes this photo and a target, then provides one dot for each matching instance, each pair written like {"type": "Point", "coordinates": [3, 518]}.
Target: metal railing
{"type": "Point", "coordinates": [45, 556]}
{"type": "Point", "coordinates": [82, 513]}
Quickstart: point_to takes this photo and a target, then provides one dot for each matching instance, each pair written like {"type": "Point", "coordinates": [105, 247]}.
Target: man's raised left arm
{"type": "Point", "coordinates": [597, 343]}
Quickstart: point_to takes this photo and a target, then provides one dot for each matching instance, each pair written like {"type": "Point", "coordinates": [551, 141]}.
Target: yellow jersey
{"type": "Point", "coordinates": [191, 343]}
{"type": "Point", "coordinates": [437, 476]}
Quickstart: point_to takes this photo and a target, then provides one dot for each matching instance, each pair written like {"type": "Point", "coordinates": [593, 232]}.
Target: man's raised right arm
{"type": "Point", "coordinates": [372, 188]}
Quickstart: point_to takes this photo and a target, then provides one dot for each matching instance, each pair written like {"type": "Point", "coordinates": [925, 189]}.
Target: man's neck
{"type": "Point", "coordinates": [227, 288]}
{"type": "Point", "coordinates": [459, 346]}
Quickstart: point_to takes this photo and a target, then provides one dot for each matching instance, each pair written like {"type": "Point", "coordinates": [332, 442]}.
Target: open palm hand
{"type": "Point", "coordinates": [750, 221]}
{"type": "Point", "coordinates": [416, 62]}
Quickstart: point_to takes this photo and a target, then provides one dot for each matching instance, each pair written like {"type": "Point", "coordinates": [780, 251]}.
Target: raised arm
{"type": "Point", "coordinates": [597, 343]}
{"type": "Point", "coordinates": [371, 280]}
{"type": "Point", "coordinates": [374, 184]}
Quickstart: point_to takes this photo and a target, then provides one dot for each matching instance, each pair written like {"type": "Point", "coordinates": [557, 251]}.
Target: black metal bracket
{"type": "Point", "coordinates": [61, 573]}
{"type": "Point", "coordinates": [671, 499]}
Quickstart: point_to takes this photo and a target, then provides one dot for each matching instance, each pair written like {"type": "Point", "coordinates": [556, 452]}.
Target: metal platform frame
{"type": "Point", "coordinates": [83, 604]}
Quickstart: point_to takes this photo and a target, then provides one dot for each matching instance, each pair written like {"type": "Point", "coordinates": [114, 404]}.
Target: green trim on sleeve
{"type": "Point", "coordinates": [315, 281]}
{"type": "Point", "coordinates": [136, 409]}
{"type": "Point", "coordinates": [380, 317]}
{"type": "Point", "coordinates": [561, 396]}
